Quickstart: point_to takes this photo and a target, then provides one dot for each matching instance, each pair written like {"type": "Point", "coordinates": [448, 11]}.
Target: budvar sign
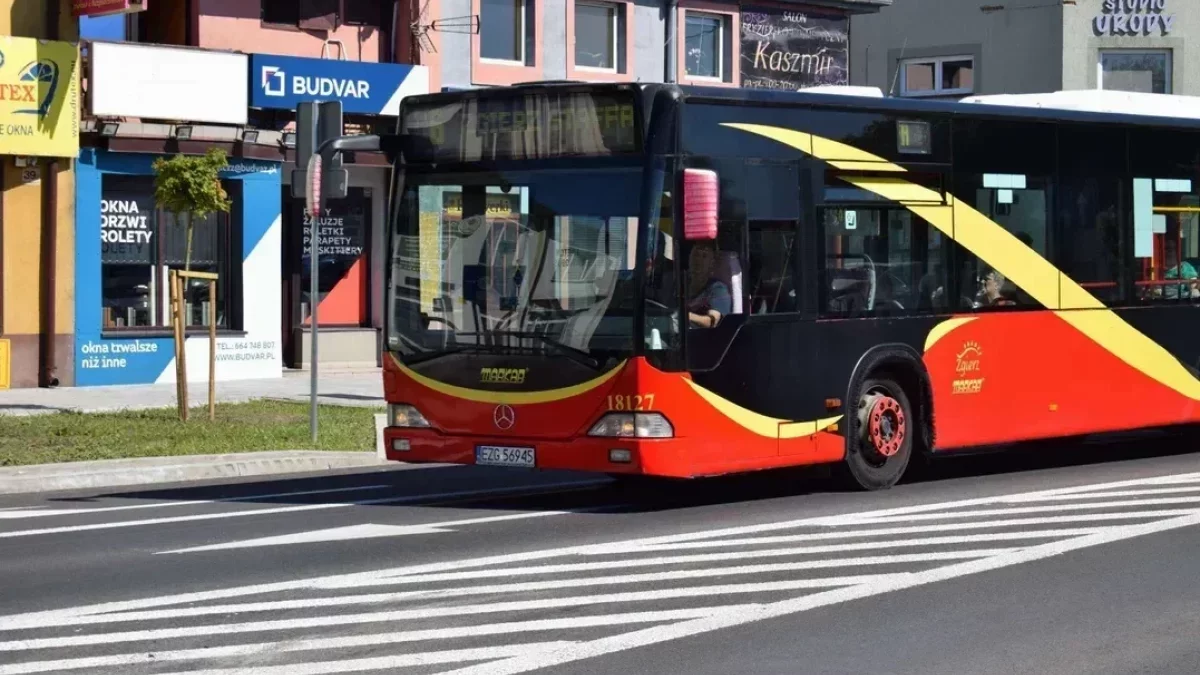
{"type": "Point", "coordinates": [1133, 17]}
{"type": "Point", "coordinates": [281, 82]}
{"type": "Point", "coordinates": [105, 7]}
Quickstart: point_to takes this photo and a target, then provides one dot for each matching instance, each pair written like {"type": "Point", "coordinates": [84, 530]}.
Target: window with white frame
{"type": "Point", "coordinates": [598, 38]}
{"type": "Point", "coordinates": [941, 76]}
{"type": "Point", "coordinates": [1145, 71]}
{"type": "Point", "coordinates": [704, 46]}
{"type": "Point", "coordinates": [504, 30]}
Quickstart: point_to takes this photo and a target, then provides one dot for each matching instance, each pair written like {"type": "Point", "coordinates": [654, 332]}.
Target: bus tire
{"type": "Point", "coordinates": [879, 445]}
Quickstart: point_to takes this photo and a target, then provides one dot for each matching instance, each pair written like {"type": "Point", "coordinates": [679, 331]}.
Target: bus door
{"type": "Point", "coordinates": [748, 281]}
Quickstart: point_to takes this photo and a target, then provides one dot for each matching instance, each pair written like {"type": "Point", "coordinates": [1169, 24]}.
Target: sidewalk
{"type": "Point", "coordinates": [353, 388]}
{"type": "Point", "coordinates": [356, 388]}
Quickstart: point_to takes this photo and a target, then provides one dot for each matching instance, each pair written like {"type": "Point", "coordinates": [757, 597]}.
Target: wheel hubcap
{"type": "Point", "coordinates": [883, 425]}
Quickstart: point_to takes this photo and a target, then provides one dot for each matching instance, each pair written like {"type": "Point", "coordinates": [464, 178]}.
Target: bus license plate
{"type": "Point", "coordinates": [494, 455]}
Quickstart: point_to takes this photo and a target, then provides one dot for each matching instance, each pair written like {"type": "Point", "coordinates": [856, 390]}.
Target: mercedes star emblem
{"type": "Point", "coordinates": [504, 417]}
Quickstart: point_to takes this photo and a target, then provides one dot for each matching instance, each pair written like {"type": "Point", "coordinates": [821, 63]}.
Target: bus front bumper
{"type": "Point", "coordinates": [657, 457]}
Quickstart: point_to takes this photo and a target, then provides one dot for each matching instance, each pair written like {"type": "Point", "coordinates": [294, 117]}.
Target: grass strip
{"type": "Point", "coordinates": [240, 427]}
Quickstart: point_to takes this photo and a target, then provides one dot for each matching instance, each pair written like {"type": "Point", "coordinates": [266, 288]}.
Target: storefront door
{"type": "Point", "coordinates": [343, 267]}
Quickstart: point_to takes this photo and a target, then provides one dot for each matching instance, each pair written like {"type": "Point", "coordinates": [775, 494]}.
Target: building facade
{"type": "Point", "coordinates": [181, 77]}
{"type": "Point", "coordinates": [207, 80]}
{"type": "Point", "coordinates": [766, 44]}
{"type": "Point", "coordinates": [39, 138]}
{"type": "Point", "coordinates": [933, 48]}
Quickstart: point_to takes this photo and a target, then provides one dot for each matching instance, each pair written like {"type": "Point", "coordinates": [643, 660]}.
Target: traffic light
{"type": "Point", "coordinates": [334, 178]}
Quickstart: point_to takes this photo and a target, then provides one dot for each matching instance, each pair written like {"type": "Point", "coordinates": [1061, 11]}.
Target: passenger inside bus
{"type": "Point", "coordinates": [1176, 269]}
{"type": "Point", "coordinates": [996, 290]}
{"type": "Point", "coordinates": [713, 285]}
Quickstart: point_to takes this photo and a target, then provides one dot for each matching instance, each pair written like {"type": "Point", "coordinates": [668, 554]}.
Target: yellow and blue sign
{"type": "Point", "coordinates": [39, 97]}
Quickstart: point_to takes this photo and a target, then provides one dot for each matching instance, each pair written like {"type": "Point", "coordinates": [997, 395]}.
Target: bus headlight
{"type": "Point", "coordinates": [404, 415]}
{"type": "Point", "coordinates": [633, 425]}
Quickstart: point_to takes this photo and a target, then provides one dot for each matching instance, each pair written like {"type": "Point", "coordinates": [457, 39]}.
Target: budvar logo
{"type": "Point", "coordinates": [273, 81]}
{"type": "Point", "coordinates": [330, 86]}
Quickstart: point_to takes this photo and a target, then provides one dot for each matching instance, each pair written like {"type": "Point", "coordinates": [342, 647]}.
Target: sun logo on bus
{"type": "Point", "coordinates": [967, 361]}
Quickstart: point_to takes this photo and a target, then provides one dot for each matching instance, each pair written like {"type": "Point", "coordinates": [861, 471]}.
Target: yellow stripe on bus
{"type": "Point", "coordinates": [767, 427]}
{"type": "Point", "coordinates": [507, 397]}
{"type": "Point", "coordinates": [1027, 269]}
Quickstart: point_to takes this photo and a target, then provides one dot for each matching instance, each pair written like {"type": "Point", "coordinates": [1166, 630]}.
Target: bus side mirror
{"type": "Point", "coordinates": [700, 198]}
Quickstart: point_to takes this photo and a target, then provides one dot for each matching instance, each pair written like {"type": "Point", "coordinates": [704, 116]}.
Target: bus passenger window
{"type": "Point", "coordinates": [882, 261]}
{"type": "Point", "coordinates": [1089, 245]}
{"type": "Point", "coordinates": [1166, 239]}
{"type": "Point", "coordinates": [1021, 205]}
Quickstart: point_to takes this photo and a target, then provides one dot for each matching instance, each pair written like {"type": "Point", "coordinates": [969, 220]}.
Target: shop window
{"type": "Point", "coordinates": [505, 31]}
{"type": "Point", "coordinates": [1166, 239]}
{"type": "Point", "coordinates": [141, 244]}
{"type": "Point", "coordinates": [942, 76]}
{"type": "Point", "coordinates": [1146, 71]}
{"type": "Point", "coordinates": [706, 41]}
{"type": "Point", "coordinates": [344, 231]}
{"type": "Point", "coordinates": [599, 36]}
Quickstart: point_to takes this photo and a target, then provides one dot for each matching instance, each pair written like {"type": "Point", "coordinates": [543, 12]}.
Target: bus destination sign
{"type": "Point", "coordinates": [541, 125]}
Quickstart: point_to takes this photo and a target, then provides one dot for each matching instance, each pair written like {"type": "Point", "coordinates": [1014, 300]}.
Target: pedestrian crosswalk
{"type": "Point", "coordinates": [526, 611]}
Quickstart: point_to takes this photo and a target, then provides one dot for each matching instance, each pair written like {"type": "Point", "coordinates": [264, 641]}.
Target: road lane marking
{"type": "Point", "coordinates": [372, 531]}
{"type": "Point", "coordinates": [1053, 508]}
{"type": "Point", "coordinates": [326, 621]}
{"type": "Point", "coordinates": [826, 536]}
{"type": "Point", "coordinates": [429, 499]}
{"type": "Point", "coordinates": [370, 640]}
{"type": "Point", "coordinates": [824, 563]}
{"type": "Point", "coordinates": [722, 620]}
{"type": "Point", "coordinates": [443, 593]}
{"type": "Point", "coordinates": [359, 579]}
{"type": "Point", "coordinates": [1106, 494]}
{"type": "Point", "coordinates": [383, 662]}
{"type": "Point", "coordinates": [32, 512]}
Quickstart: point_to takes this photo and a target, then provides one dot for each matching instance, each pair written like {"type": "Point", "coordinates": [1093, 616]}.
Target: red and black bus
{"type": "Point", "coordinates": [675, 281]}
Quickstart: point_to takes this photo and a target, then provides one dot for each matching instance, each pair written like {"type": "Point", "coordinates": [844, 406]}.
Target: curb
{"type": "Point", "coordinates": [151, 470]}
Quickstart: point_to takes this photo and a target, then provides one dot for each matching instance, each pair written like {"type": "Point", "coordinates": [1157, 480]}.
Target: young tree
{"type": "Point", "coordinates": [190, 187]}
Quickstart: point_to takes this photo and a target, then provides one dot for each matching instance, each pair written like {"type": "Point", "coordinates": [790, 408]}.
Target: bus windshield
{"type": "Point", "coordinates": [516, 262]}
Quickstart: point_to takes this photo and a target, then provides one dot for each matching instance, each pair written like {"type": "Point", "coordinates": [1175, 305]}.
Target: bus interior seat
{"type": "Point", "coordinates": [728, 271]}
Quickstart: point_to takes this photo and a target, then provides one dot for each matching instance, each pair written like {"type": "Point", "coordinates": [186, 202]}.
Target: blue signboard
{"type": "Point", "coordinates": [281, 82]}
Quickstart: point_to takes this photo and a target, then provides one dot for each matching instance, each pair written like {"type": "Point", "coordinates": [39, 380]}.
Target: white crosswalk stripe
{"type": "Point", "coordinates": [521, 612]}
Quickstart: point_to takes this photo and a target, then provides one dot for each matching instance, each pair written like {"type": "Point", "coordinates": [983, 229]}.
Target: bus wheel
{"type": "Point", "coordinates": [880, 449]}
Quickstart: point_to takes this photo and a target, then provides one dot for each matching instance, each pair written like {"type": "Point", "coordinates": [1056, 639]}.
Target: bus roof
{"type": "Point", "coordinates": [1107, 107]}
{"type": "Point", "coordinates": [1095, 106]}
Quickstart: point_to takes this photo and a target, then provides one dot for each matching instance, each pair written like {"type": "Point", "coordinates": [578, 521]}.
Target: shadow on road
{"type": "Point", "coordinates": [487, 488]}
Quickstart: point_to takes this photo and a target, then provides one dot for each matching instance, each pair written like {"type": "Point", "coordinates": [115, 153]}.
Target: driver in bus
{"type": "Point", "coordinates": [710, 297]}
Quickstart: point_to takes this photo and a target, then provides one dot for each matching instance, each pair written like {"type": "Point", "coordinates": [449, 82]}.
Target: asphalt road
{"type": "Point", "coordinates": [1064, 560]}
